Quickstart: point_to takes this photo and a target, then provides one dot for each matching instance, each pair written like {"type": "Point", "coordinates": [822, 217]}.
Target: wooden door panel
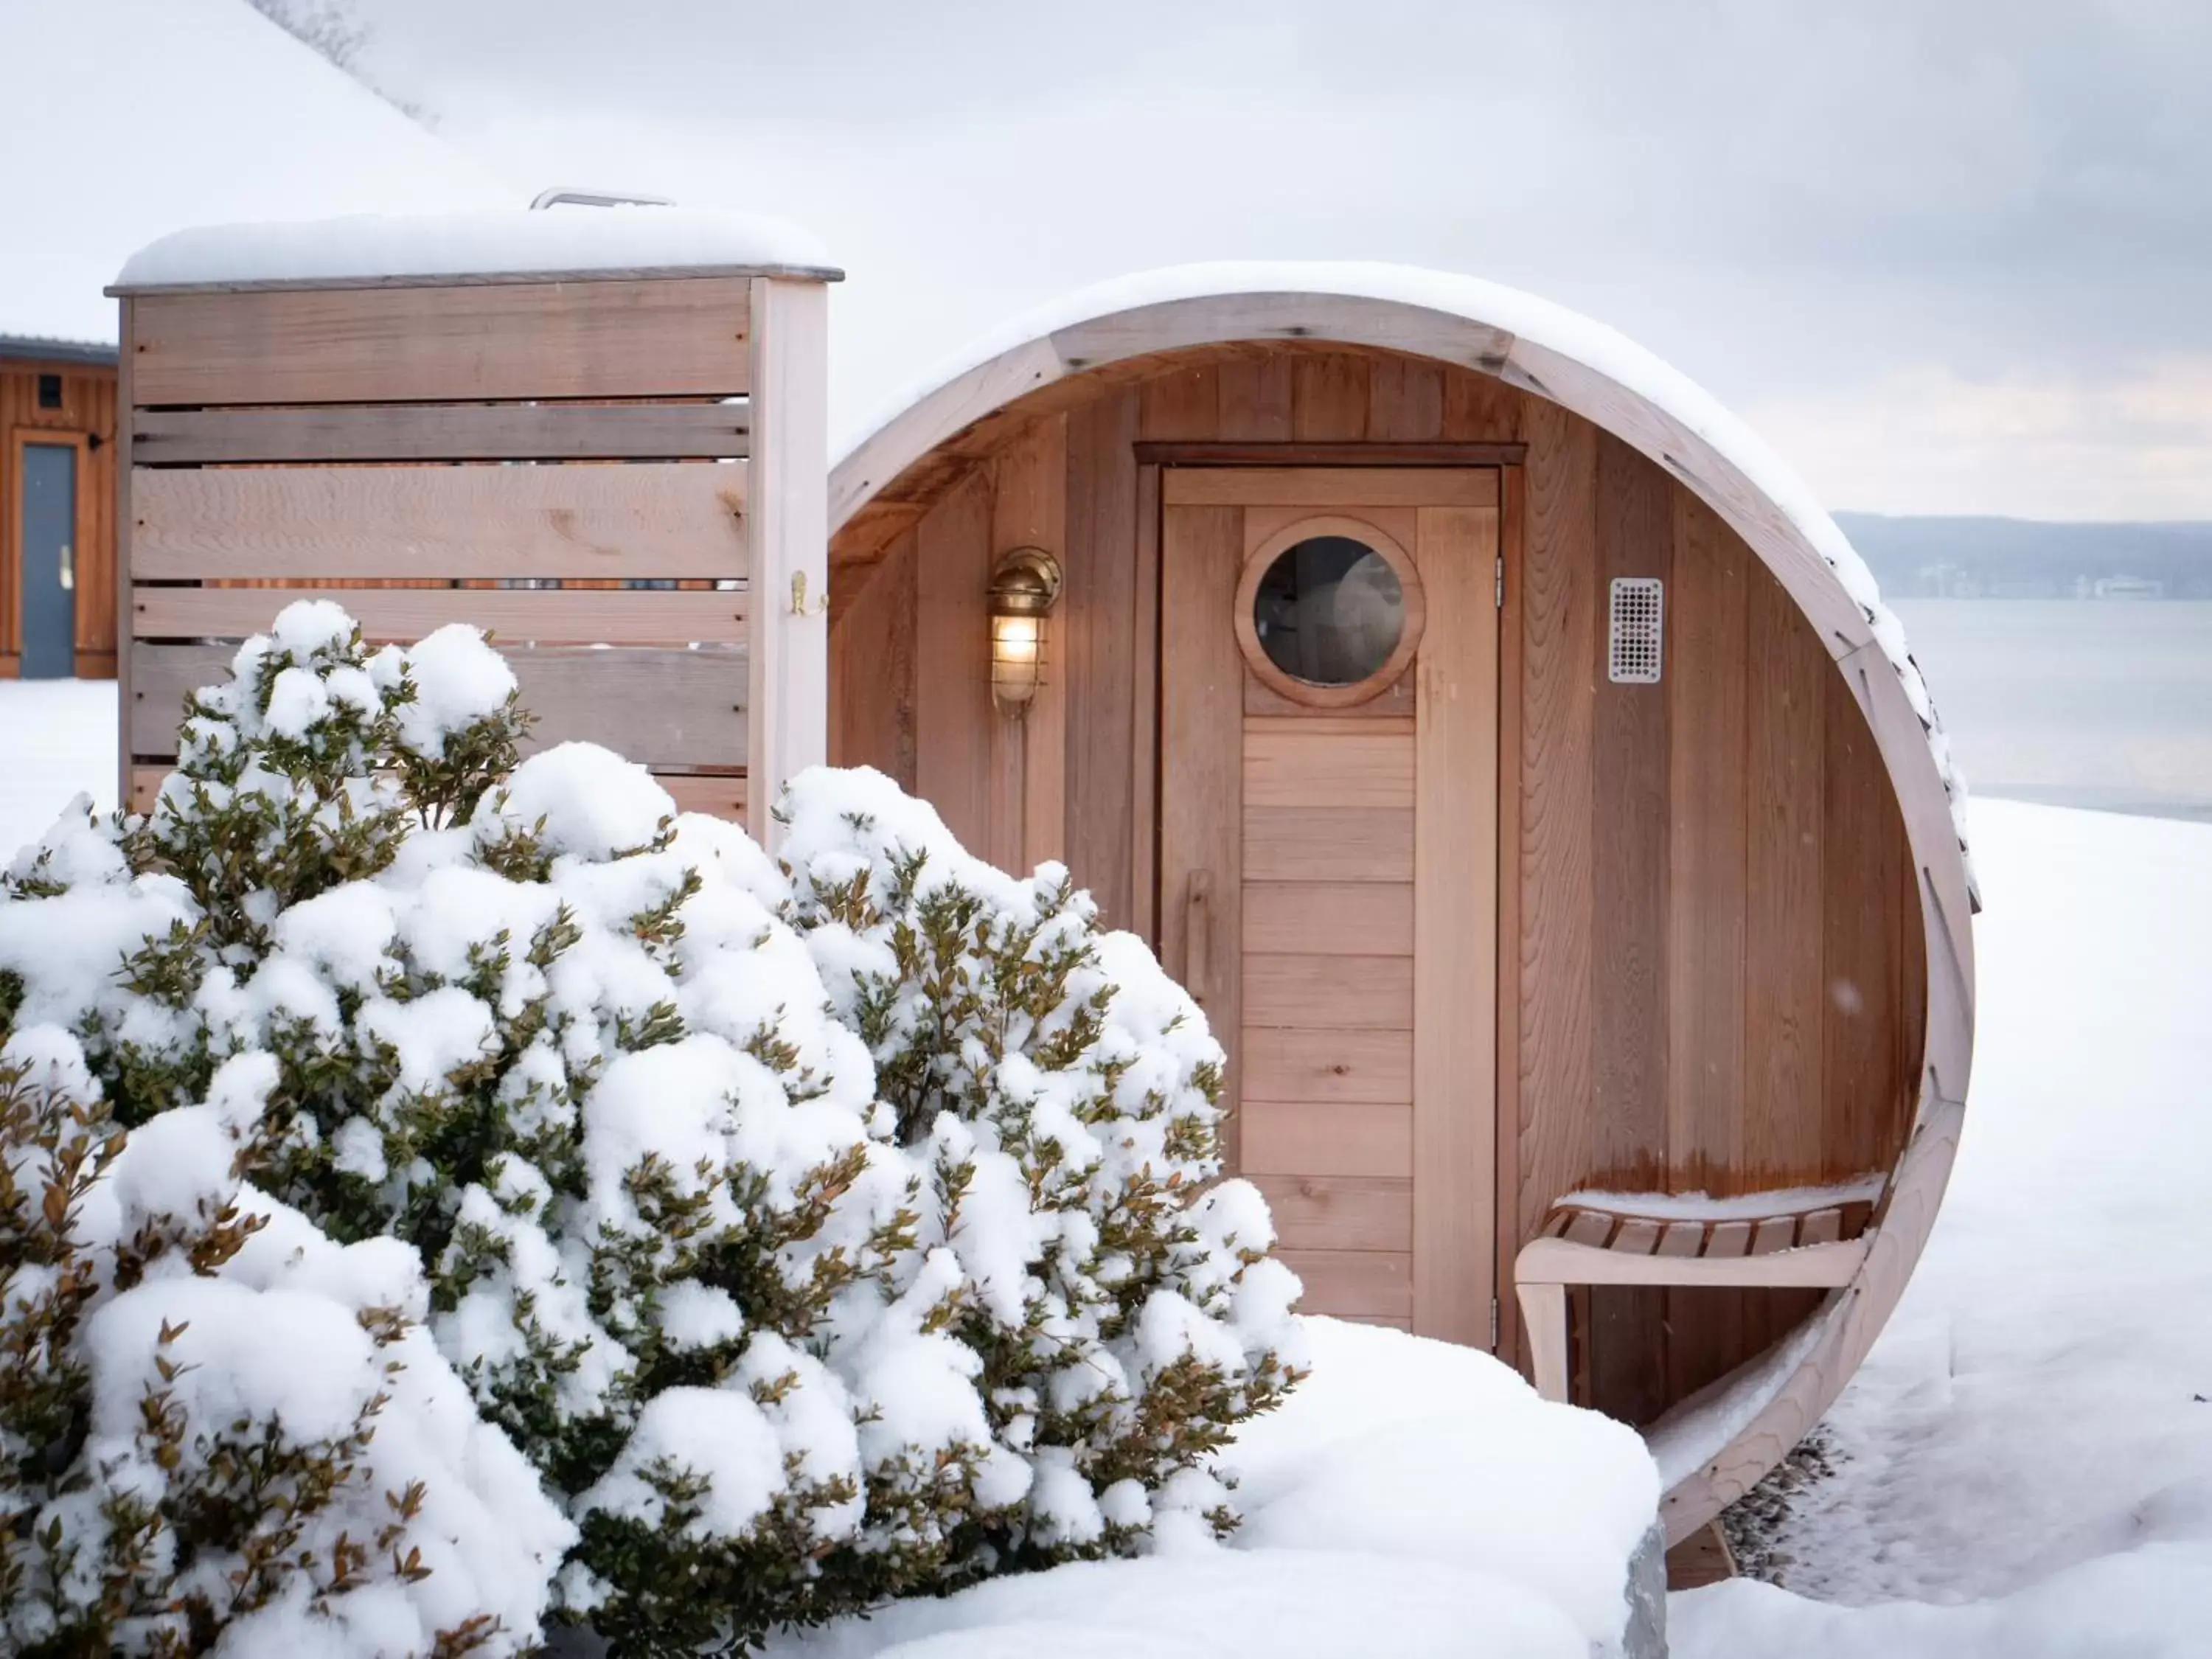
{"type": "Point", "coordinates": [1369, 993]}
{"type": "Point", "coordinates": [1327, 889]}
{"type": "Point", "coordinates": [1315, 1136]}
{"type": "Point", "coordinates": [1341, 919]}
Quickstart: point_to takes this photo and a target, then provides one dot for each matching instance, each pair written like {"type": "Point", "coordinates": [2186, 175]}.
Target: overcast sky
{"type": "Point", "coordinates": [1948, 256]}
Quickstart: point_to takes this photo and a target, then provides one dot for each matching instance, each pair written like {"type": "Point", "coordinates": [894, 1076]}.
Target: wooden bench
{"type": "Point", "coordinates": [1582, 1243]}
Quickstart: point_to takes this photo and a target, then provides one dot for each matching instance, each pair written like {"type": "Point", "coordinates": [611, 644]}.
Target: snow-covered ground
{"type": "Point", "coordinates": [2025, 1460]}
{"type": "Point", "coordinates": [2026, 1456]}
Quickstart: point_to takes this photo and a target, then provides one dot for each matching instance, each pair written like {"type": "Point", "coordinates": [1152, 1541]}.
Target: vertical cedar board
{"type": "Point", "coordinates": [1201, 752]}
{"type": "Point", "coordinates": [1329, 399]}
{"type": "Point", "coordinates": [1102, 649]}
{"type": "Point", "coordinates": [872, 684]}
{"type": "Point", "coordinates": [1628, 988]}
{"type": "Point", "coordinates": [1027, 767]}
{"type": "Point", "coordinates": [1783, 995]}
{"type": "Point", "coordinates": [1863, 977]}
{"type": "Point", "coordinates": [1559, 656]}
{"type": "Point", "coordinates": [1709, 693]}
{"type": "Point", "coordinates": [952, 690]}
{"type": "Point", "coordinates": [1708, 688]}
{"type": "Point", "coordinates": [1505, 1198]}
{"type": "Point", "coordinates": [1456, 928]}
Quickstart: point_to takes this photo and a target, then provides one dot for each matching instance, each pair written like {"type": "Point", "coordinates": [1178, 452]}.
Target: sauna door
{"type": "Point", "coordinates": [1327, 860]}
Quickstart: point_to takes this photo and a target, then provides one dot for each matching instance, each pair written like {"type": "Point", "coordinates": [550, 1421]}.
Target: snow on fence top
{"type": "Point", "coordinates": [1524, 317]}
{"type": "Point", "coordinates": [496, 246]}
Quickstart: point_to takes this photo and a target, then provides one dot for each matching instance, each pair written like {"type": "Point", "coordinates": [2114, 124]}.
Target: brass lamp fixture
{"type": "Point", "coordinates": [1024, 585]}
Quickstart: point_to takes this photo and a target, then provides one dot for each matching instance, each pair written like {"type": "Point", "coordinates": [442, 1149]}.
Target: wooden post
{"type": "Point", "coordinates": [786, 536]}
{"type": "Point", "coordinates": [125, 419]}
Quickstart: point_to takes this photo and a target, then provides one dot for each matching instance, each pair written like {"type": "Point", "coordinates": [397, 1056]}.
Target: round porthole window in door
{"type": "Point", "coordinates": [1329, 612]}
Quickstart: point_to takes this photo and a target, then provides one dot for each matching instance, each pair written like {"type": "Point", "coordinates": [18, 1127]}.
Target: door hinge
{"type": "Point", "coordinates": [1494, 1324]}
{"type": "Point", "coordinates": [1499, 595]}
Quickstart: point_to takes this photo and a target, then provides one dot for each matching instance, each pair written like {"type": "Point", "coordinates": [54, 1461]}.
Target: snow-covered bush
{"type": "Point", "coordinates": [1061, 1091]}
{"type": "Point", "coordinates": [782, 1340]}
{"type": "Point", "coordinates": [219, 1427]}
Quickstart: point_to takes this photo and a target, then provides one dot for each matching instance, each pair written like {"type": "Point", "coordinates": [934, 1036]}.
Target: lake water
{"type": "Point", "coordinates": [2076, 702]}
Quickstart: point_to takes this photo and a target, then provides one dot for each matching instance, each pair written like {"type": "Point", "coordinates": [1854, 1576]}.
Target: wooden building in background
{"type": "Point", "coordinates": [56, 509]}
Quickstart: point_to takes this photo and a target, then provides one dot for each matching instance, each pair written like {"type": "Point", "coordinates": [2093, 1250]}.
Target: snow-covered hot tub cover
{"type": "Point", "coordinates": [1717, 1444]}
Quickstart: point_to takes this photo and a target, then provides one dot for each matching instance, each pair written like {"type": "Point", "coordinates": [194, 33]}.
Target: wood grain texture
{"type": "Point", "coordinates": [665, 708]}
{"type": "Point", "coordinates": [1356, 919]}
{"type": "Point", "coordinates": [657, 338]}
{"type": "Point", "coordinates": [787, 537]}
{"type": "Point", "coordinates": [1329, 486]}
{"type": "Point", "coordinates": [1376, 1285]}
{"type": "Point", "coordinates": [1329, 399]}
{"type": "Point", "coordinates": [1456, 929]}
{"type": "Point", "coordinates": [1784, 995]}
{"type": "Point", "coordinates": [1325, 1065]}
{"type": "Point", "coordinates": [442, 432]}
{"type": "Point", "coordinates": [1202, 766]}
{"type": "Point", "coordinates": [1559, 645]}
{"type": "Point", "coordinates": [953, 714]}
{"type": "Point", "coordinates": [1311, 1137]}
{"type": "Point", "coordinates": [1313, 763]}
{"type": "Point", "coordinates": [511, 615]}
{"type": "Point", "coordinates": [1029, 508]}
{"type": "Point", "coordinates": [1341, 1213]}
{"type": "Point", "coordinates": [1505, 1201]}
{"type": "Point", "coordinates": [872, 688]}
{"type": "Point", "coordinates": [1367, 994]}
{"type": "Point", "coordinates": [656, 520]}
{"type": "Point", "coordinates": [1628, 1120]}
{"type": "Point", "coordinates": [1708, 692]}
{"type": "Point", "coordinates": [1344, 843]}
{"type": "Point", "coordinates": [1109, 645]}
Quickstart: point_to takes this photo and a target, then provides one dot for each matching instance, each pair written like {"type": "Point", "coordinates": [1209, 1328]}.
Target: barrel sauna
{"type": "Point", "coordinates": [1518, 766]}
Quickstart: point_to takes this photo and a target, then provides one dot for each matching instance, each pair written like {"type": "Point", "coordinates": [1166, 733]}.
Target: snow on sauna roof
{"type": "Point", "coordinates": [168, 111]}
{"type": "Point", "coordinates": [1524, 316]}
{"type": "Point", "coordinates": [494, 244]}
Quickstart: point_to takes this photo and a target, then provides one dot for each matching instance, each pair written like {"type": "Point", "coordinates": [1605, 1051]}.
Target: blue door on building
{"type": "Point", "coordinates": [48, 542]}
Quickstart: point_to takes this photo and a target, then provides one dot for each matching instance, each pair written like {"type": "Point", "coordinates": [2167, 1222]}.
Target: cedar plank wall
{"type": "Point", "coordinates": [1718, 963]}
{"type": "Point", "coordinates": [89, 408]}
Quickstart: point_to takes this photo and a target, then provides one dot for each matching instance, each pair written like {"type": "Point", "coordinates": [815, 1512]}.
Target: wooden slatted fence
{"type": "Point", "coordinates": [569, 464]}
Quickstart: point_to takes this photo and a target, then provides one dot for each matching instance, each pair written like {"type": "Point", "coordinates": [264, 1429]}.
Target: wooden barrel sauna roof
{"type": "Point", "coordinates": [1715, 1445]}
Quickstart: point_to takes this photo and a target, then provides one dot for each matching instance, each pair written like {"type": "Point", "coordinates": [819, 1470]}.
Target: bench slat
{"type": "Point", "coordinates": [1821, 1227]}
{"type": "Point", "coordinates": [1682, 1238]}
{"type": "Point", "coordinates": [1589, 1227]}
{"type": "Point", "coordinates": [1636, 1236]}
{"type": "Point", "coordinates": [1729, 1239]}
{"type": "Point", "coordinates": [1776, 1232]}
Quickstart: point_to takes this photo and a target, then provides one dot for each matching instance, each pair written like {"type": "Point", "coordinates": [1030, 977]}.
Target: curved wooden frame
{"type": "Point", "coordinates": [1551, 354]}
{"type": "Point", "coordinates": [1414, 622]}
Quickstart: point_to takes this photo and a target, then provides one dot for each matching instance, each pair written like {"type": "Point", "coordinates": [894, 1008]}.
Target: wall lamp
{"type": "Point", "coordinates": [1024, 585]}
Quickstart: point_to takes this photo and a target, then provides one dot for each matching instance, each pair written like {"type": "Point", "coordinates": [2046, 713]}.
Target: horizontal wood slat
{"type": "Point", "coordinates": [652, 338]}
{"type": "Point", "coordinates": [1376, 1285]}
{"type": "Point", "coordinates": [1330, 487]}
{"type": "Point", "coordinates": [1311, 1137]}
{"type": "Point", "coordinates": [1290, 768]}
{"type": "Point", "coordinates": [665, 708]}
{"type": "Point", "coordinates": [722, 794]}
{"type": "Point", "coordinates": [1338, 843]}
{"type": "Point", "coordinates": [1341, 1213]}
{"type": "Point", "coordinates": [441, 432]}
{"type": "Point", "coordinates": [1370, 992]}
{"type": "Point", "coordinates": [1351, 919]}
{"type": "Point", "coordinates": [512, 615]}
{"type": "Point", "coordinates": [1275, 1064]}
{"type": "Point", "coordinates": [671, 519]}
